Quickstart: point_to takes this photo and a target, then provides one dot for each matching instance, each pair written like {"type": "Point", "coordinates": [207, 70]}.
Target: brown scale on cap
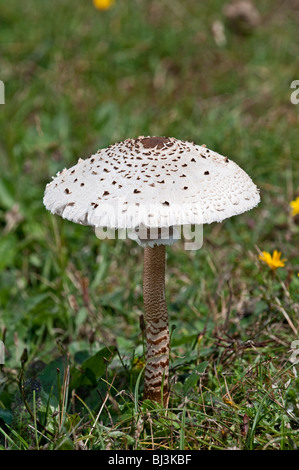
{"type": "Point", "coordinates": [151, 142]}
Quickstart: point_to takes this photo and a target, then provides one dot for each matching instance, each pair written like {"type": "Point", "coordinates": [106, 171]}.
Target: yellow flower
{"type": "Point", "coordinates": [138, 363]}
{"type": "Point", "coordinates": [103, 4]}
{"type": "Point", "coordinates": [229, 401]}
{"type": "Point", "coordinates": [295, 206]}
{"type": "Point", "coordinates": [273, 261]}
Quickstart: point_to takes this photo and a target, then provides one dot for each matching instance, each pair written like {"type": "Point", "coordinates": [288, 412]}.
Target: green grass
{"type": "Point", "coordinates": [77, 79]}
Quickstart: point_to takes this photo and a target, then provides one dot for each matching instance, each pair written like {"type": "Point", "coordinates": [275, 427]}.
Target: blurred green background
{"type": "Point", "coordinates": [77, 79]}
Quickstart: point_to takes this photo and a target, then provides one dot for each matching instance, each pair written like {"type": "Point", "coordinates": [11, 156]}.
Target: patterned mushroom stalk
{"type": "Point", "coordinates": [150, 187]}
{"type": "Point", "coordinates": [156, 325]}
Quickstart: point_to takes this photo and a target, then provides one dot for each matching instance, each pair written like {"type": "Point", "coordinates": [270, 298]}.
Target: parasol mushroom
{"type": "Point", "coordinates": [152, 186]}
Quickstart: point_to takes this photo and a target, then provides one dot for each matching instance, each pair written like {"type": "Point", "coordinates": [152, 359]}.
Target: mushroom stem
{"type": "Point", "coordinates": [156, 325]}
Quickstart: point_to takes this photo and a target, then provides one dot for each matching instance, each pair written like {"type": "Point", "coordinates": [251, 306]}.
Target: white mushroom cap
{"type": "Point", "coordinates": [151, 181]}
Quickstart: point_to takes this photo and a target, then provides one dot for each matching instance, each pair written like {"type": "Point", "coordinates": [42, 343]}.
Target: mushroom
{"type": "Point", "coordinates": [151, 187]}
